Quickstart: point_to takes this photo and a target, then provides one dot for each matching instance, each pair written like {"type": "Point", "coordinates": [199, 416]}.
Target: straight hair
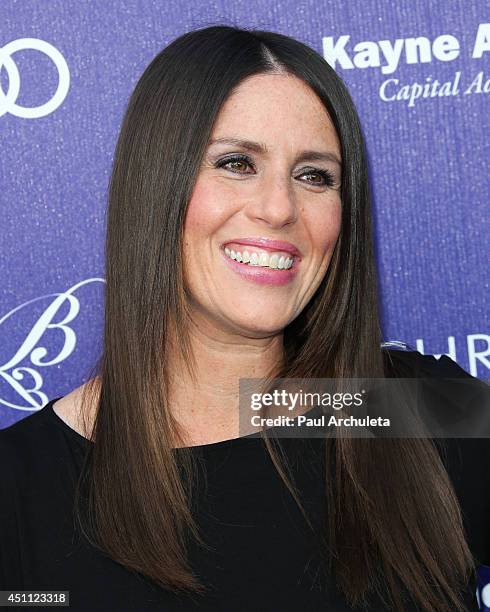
{"type": "Point", "coordinates": [393, 521]}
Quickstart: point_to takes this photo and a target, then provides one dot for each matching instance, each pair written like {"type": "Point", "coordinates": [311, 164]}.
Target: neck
{"type": "Point", "coordinates": [206, 405]}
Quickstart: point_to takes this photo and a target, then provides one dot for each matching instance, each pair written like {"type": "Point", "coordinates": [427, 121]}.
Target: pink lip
{"type": "Point", "coordinates": [267, 244]}
{"type": "Point", "coordinates": [262, 276]}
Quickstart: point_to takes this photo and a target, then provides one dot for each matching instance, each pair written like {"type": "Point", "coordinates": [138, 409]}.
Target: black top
{"type": "Point", "coordinates": [265, 557]}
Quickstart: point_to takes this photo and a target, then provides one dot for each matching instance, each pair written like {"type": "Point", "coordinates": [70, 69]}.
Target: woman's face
{"type": "Point", "coordinates": [271, 198]}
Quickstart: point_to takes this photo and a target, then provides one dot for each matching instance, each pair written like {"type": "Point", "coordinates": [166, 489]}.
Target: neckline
{"type": "Point", "coordinates": [222, 444]}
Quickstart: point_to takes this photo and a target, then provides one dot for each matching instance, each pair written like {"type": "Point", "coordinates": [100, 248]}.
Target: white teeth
{"type": "Point", "coordinates": [274, 261]}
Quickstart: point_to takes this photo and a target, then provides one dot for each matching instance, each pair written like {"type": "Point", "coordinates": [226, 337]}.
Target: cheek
{"type": "Point", "coordinates": [195, 218]}
{"type": "Point", "coordinates": [325, 228]}
{"type": "Point", "coordinates": [206, 211]}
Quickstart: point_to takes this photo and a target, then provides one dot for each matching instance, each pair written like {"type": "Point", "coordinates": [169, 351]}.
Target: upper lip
{"type": "Point", "coordinates": [267, 243]}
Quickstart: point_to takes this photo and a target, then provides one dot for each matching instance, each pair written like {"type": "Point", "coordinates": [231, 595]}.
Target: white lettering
{"type": "Point", "coordinates": [477, 85]}
{"type": "Point", "coordinates": [336, 52]}
{"type": "Point", "coordinates": [451, 344]}
{"type": "Point", "coordinates": [411, 93]}
{"type": "Point", "coordinates": [382, 93]}
{"type": "Point", "coordinates": [391, 53]}
{"type": "Point", "coordinates": [474, 355]}
{"type": "Point", "coordinates": [417, 50]}
{"type": "Point", "coordinates": [367, 55]}
{"type": "Point", "coordinates": [445, 48]}
{"type": "Point", "coordinates": [482, 40]}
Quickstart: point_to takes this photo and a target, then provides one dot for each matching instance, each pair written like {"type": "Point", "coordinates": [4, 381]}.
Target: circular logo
{"type": "Point", "coordinates": [8, 100]}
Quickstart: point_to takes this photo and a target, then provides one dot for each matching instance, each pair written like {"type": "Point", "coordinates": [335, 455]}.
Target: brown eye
{"type": "Point", "coordinates": [325, 177]}
{"type": "Point", "coordinates": [317, 176]}
{"type": "Point", "coordinates": [236, 164]}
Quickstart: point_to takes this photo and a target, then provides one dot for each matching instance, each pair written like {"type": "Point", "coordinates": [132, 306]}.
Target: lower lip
{"type": "Point", "coordinates": [261, 275]}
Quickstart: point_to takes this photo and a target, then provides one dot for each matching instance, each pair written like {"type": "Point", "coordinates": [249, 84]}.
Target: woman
{"type": "Point", "coordinates": [234, 142]}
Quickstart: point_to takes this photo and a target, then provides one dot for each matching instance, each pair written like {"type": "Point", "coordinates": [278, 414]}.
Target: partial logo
{"type": "Point", "coordinates": [52, 325]}
{"type": "Point", "coordinates": [8, 100]}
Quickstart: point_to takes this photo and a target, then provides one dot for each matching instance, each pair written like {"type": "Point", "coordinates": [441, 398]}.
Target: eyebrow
{"type": "Point", "coordinates": [258, 147]}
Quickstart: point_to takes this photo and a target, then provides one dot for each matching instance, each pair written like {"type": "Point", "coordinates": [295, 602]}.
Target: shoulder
{"type": "Point", "coordinates": [456, 401]}
{"type": "Point", "coordinates": [441, 380]}
{"type": "Point", "coordinates": [25, 434]}
{"type": "Point", "coordinates": [407, 361]}
{"type": "Point", "coordinates": [466, 461]}
{"type": "Point", "coordinates": [75, 412]}
{"type": "Point", "coordinates": [454, 393]}
{"type": "Point", "coordinates": [38, 452]}
{"type": "Point", "coordinates": [25, 450]}
{"type": "Point", "coordinates": [34, 437]}
{"type": "Point", "coordinates": [444, 383]}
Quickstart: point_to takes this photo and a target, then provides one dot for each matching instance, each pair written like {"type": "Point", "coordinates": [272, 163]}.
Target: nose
{"type": "Point", "coordinates": [275, 205]}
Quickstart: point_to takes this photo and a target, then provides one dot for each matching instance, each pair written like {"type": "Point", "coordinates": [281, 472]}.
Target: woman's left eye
{"type": "Point", "coordinates": [327, 178]}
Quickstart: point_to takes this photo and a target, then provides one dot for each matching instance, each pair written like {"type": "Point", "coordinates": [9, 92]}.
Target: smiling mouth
{"type": "Point", "coordinates": [252, 256]}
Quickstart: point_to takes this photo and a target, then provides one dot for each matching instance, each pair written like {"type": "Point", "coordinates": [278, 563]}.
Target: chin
{"type": "Point", "coordinates": [259, 325]}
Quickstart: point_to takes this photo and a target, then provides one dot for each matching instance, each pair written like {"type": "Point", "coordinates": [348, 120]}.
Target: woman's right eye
{"type": "Point", "coordinates": [244, 160]}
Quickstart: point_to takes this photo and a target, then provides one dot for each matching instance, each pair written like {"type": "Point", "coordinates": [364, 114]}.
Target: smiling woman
{"type": "Point", "coordinates": [250, 194]}
{"type": "Point", "coordinates": [239, 245]}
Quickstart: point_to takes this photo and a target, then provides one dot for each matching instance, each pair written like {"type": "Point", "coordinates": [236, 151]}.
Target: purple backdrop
{"type": "Point", "coordinates": [420, 76]}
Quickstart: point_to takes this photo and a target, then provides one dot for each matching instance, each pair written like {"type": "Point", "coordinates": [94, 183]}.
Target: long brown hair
{"type": "Point", "coordinates": [393, 518]}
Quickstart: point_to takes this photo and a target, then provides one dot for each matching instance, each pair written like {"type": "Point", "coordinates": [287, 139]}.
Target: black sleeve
{"type": "Point", "coordinates": [10, 552]}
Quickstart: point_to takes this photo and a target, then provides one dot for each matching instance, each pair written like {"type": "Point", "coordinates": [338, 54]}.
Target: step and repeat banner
{"type": "Point", "coordinates": [419, 73]}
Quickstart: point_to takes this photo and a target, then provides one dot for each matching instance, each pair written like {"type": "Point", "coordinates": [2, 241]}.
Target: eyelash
{"type": "Point", "coordinates": [325, 174]}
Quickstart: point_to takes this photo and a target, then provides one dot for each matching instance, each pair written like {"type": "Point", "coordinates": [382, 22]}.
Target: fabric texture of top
{"type": "Point", "coordinates": [264, 555]}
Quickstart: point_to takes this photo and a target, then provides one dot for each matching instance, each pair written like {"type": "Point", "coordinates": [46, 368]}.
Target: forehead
{"type": "Point", "coordinates": [279, 108]}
